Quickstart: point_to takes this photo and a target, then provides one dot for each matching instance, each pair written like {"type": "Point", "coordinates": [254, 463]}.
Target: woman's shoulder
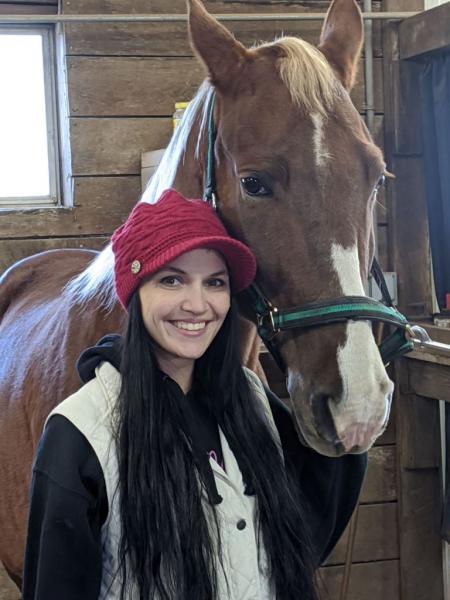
{"type": "Point", "coordinates": [92, 405]}
{"type": "Point", "coordinates": [59, 440]}
{"type": "Point", "coordinates": [253, 379]}
{"type": "Point", "coordinates": [67, 484]}
{"type": "Point", "coordinates": [257, 386]}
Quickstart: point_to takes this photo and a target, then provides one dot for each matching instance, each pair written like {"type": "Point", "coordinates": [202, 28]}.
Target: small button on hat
{"type": "Point", "coordinates": [156, 234]}
{"type": "Point", "coordinates": [135, 266]}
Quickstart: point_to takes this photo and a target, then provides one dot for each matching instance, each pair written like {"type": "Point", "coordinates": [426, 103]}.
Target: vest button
{"type": "Point", "coordinates": [241, 524]}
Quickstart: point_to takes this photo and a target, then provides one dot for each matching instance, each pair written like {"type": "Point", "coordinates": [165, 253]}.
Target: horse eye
{"type": "Point", "coordinates": [253, 186]}
{"type": "Point", "coordinates": [380, 183]}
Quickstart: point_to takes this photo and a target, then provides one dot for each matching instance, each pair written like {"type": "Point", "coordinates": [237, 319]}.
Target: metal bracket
{"type": "Point", "coordinates": [422, 341]}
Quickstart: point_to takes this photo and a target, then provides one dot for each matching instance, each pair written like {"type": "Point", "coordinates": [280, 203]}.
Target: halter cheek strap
{"type": "Point", "coordinates": [209, 190]}
{"type": "Point", "coordinates": [271, 319]}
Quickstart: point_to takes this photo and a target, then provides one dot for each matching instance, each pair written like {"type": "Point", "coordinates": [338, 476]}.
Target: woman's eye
{"type": "Point", "coordinates": [170, 280]}
{"type": "Point", "coordinates": [253, 186]}
{"type": "Point", "coordinates": [217, 283]}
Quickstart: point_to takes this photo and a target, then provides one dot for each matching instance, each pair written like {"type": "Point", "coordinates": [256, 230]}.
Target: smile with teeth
{"type": "Point", "coordinates": [190, 326]}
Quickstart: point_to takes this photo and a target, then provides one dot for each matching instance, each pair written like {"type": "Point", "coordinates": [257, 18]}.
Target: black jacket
{"type": "Point", "coordinates": [69, 502]}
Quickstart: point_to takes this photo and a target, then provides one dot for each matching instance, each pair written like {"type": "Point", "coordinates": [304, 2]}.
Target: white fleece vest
{"type": "Point", "coordinates": [90, 409]}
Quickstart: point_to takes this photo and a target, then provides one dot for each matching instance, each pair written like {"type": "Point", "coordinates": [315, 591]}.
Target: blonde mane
{"type": "Point", "coordinates": [307, 74]}
{"type": "Point", "coordinates": [97, 280]}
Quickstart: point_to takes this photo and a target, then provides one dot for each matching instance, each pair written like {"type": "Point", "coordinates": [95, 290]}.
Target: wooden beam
{"type": "Point", "coordinates": [419, 491]}
{"type": "Point", "coordinates": [418, 485]}
{"type": "Point", "coordinates": [418, 445]}
{"type": "Point", "coordinates": [426, 32]}
{"type": "Point", "coordinates": [101, 204]}
{"type": "Point", "coordinates": [439, 334]}
{"type": "Point", "coordinates": [431, 380]}
{"type": "Point", "coordinates": [420, 544]}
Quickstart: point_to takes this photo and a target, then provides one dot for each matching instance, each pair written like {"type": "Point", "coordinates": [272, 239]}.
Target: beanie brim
{"type": "Point", "coordinates": [239, 259]}
{"type": "Point", "coordinates": [156, 234]}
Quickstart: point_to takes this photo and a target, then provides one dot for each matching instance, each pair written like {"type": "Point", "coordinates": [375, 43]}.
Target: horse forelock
{"type": "Point", "coordinates": [307, 74]}
{"type": "Point", "coordinates": [97, 280]}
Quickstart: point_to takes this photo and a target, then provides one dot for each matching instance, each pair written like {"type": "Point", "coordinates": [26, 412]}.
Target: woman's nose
{"type": "Point", "coordinates": [195, 300]}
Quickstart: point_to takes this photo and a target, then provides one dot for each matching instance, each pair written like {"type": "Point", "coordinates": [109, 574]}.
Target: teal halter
{"type": "Point", "coordinates": [271, 319]}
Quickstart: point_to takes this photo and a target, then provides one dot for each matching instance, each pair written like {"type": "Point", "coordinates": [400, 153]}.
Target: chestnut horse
{"type": "Point", "coordinates": [296, 175]}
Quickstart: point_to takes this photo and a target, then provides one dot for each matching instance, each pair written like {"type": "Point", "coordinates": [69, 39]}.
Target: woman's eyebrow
{"type": "Point", "coordinates": [174, 269]}
{"type": "Point", "coordinates": [181, 272]}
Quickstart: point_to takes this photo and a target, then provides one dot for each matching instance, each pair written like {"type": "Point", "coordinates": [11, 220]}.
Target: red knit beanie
{"type": "Point", "coordinates": [155, 234]}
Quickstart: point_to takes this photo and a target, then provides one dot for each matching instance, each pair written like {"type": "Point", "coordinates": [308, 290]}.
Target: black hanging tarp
{"type": "Point", "coordinates": [435, 90]}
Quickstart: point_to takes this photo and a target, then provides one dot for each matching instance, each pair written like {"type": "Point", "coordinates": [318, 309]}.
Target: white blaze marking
{"type": "Point", "coordinates": [346, 265]}
{"type": "Point", "coordinates": [320, 152]}
{"type": "Point", "coordinates": [362, 410]}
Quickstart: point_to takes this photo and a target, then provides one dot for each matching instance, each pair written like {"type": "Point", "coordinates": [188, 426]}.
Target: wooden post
{"type": "Point", "coordinates": [417, 415]}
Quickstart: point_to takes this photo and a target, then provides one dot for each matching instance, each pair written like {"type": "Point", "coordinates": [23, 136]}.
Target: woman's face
{"type": "Point", "coordinates": [185, 303]}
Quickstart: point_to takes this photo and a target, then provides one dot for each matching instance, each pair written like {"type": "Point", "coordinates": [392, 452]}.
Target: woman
{"type": "Point", "coordinates": [172, 473]}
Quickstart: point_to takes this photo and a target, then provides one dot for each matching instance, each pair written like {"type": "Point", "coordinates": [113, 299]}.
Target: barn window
{"type": "Point", "coordinates": [28, 122]}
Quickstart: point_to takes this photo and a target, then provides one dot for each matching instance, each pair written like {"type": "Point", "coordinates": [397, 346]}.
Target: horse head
{"type": "Point", "coordinates": [297, 173]}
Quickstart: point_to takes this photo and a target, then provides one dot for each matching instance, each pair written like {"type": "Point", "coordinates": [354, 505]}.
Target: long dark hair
{"type": "Point", "coordinates": [167, 546]}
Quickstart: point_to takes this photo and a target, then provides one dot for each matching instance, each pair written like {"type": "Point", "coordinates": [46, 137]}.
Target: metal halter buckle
{"type": "Point", "coordinates": [270, 315]}
{"type": "Point", "coordinates": [417, 334]}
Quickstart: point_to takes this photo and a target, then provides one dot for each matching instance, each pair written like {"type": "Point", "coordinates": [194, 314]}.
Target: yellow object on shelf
{"type": "Point", "coordinates": [180, 107]}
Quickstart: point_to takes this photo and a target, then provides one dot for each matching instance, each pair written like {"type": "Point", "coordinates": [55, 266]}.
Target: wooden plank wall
{"type": "Point", "coordinates": [113, 118]}
{"type": "Point", "coordinates": [127, 110]}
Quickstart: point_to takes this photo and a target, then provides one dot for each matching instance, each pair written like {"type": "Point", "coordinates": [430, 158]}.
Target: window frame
{"type": "Point", "coordinates": [51, 112]}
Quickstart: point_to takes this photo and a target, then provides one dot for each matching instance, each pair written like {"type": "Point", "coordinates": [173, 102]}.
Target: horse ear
{"type": "Point", "coordinates": [342, 38]}
{"type": "Point", "coordinates": [222, 55]}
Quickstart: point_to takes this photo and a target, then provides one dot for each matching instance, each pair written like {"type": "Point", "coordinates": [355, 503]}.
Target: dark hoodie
{"type": "Point", "coordinates": [63, 558]}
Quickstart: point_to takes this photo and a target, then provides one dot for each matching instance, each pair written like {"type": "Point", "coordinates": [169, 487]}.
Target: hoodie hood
{"type": "Point", "coordinates": [108, 348]}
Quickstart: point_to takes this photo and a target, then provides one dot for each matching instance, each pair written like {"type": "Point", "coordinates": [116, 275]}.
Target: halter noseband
{"type": "Point", "coordinates": [271, 319]}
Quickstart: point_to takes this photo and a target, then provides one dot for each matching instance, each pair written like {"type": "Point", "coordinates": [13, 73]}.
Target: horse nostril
{"type": "Point", "coordinates": [323, 420]}
{"type": "Point", "coordinates": [387, 388]}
